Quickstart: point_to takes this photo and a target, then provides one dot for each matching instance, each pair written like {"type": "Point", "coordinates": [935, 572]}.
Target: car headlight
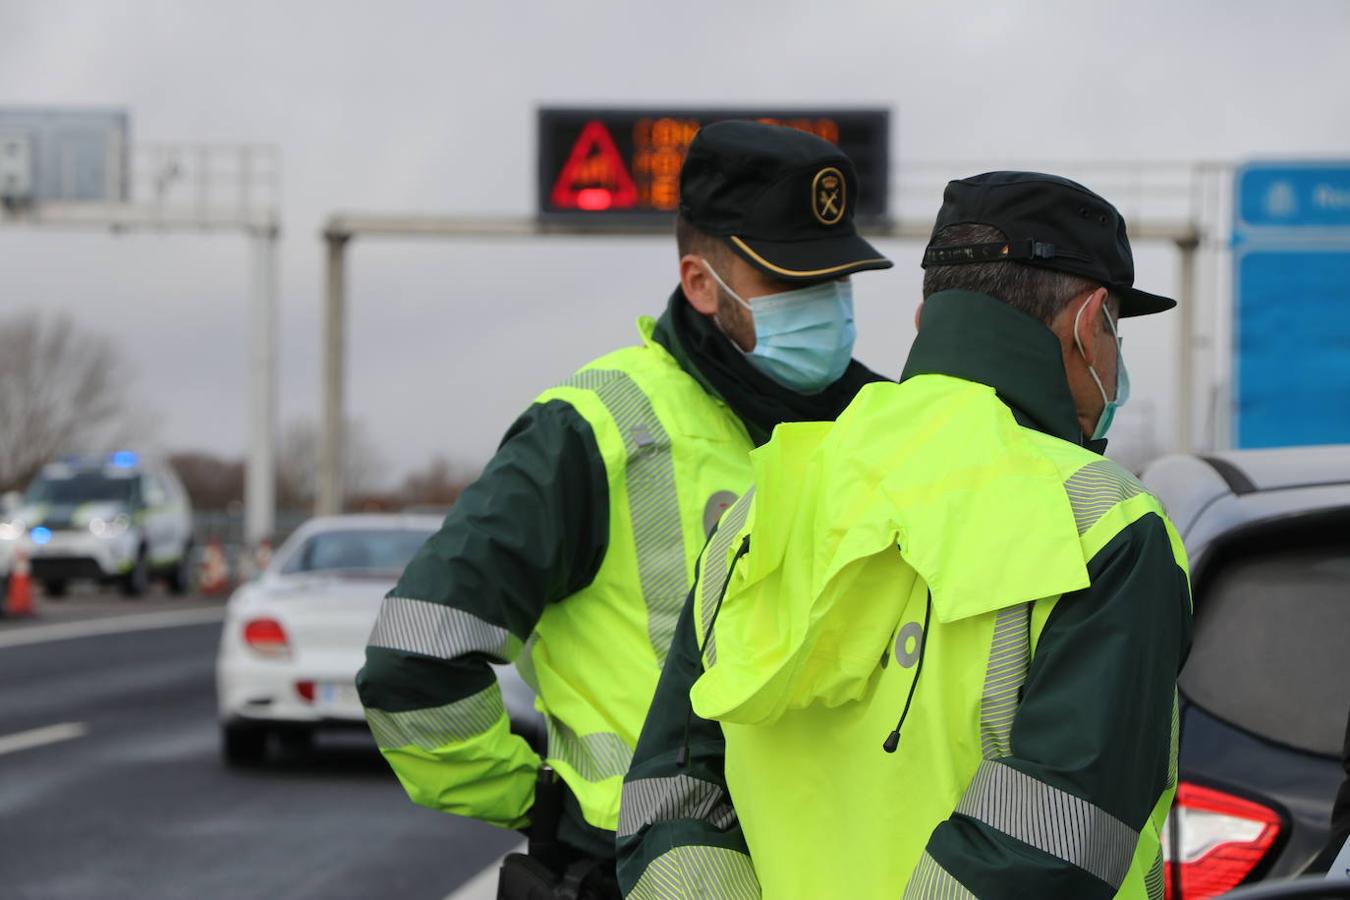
{"type": "Point", "coordinates": [11, 531]}
{"type": "Point", "coordinates": [109, 528]}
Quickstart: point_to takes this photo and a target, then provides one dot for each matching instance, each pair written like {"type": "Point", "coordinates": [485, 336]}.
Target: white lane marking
{"type": "Point", "coordinates": [482, 886]}
{"type": "Point", "coordinates": [37, 634]}
{"type": "Point", "coordinates": [38, 737]}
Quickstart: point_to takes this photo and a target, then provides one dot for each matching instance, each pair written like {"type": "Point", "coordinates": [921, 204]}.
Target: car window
{"type": "Point", "coordinates": [1272, 639]}
{"type": "Point", "coordinates": [82, 487]}
{"type": "Point", "coordinates": [383, 550]}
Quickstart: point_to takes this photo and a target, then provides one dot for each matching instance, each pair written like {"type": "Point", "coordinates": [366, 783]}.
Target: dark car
{"type": "Point", "coordinates": [1266, 690]}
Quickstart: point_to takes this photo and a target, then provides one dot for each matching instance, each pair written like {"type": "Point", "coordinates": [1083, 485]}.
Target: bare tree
{"type": "Point", "coordinates": [437, 484]}
{"type": "Point", "coordinates": [213, 483]}
{"type": "Point", "coordinates": [62, 390]}
{"type": "Point", "coordinates": [297, 469]}
{"type": "Point", "coordinates": [296, 464]}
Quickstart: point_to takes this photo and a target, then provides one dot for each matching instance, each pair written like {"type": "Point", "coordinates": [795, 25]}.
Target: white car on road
{"type": "Point", "coordinates": [294, 638]}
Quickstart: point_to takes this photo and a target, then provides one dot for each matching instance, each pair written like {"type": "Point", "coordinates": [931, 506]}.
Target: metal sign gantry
{"type": "Point", "coordinates": [204, 188]}
{"type": "Point", "coordinates": [1184, 232]}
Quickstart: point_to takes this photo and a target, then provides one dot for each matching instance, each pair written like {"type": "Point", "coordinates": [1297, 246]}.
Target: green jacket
{"type": "Point", "coordinates": [1036, 616]}
{"type": "Point", "coordinates": [516, 560]}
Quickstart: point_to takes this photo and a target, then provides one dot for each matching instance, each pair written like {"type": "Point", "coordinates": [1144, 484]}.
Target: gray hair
{"type": "Point", "coordinates": [1040, 293]}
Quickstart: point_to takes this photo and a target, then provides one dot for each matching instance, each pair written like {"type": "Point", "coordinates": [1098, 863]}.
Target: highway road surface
{"type": "Point", "coordinates": [111, 784]}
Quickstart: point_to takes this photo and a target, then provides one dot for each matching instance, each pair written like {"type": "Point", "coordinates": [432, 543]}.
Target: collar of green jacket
{"type": "Point", "coordinates": [704, 352]}
{"type": "Point", "coordinates": [977, 338]}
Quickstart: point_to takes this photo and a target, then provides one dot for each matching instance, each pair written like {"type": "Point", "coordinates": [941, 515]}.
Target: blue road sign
{"type": "Point", "coordinates": [1291, 293]}
{"type": "Point", "coordinates": [1293, 347]}
{"type": "Point", "coordinates": [1292, 196]}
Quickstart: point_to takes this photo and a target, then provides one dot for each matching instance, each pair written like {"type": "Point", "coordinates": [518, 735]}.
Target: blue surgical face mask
{"type": "Point", "coordinates": [1109, 406]}
{"type": "Point", "coordinates": [803, 338]}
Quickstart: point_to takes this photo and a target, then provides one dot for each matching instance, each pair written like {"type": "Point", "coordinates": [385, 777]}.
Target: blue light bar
{"type": "Point", "coordinates": [124, 459]}
{"type": "Point", "coordinates": [41, 535]}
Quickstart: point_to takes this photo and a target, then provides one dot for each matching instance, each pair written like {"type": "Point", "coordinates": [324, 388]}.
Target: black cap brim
{"type": "Point", "coordinates": [813, 260]}
{"type": "Point", "coordinates": [1134, 302]}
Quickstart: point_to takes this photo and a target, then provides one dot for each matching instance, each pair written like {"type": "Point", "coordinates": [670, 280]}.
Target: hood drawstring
{"type": "Point", "coordinates": [893, 739]}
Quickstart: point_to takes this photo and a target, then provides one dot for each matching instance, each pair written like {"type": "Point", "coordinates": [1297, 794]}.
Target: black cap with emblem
{"type": "Point", "coordinates": [1047, 221]}
{"type": "Point", "coordinates": [782, 199]}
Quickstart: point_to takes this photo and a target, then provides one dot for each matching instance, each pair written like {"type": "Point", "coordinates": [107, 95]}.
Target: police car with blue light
{"type": "Point", "coordinates": [116, 519]}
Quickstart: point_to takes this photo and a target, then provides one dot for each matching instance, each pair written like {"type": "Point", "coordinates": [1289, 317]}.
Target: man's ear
{"type": "Point", "coordinates": [918, 314]}
{"type": "Point", "coordinates": [698, 286]}
{"type": "Point", "coordinates": [1088, 323]}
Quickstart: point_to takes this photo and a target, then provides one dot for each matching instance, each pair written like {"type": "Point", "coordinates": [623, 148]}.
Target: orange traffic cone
{"type": "Point", "coordinates": [20, 599]}
{"type": "Point", "coordinates": [215, 574]}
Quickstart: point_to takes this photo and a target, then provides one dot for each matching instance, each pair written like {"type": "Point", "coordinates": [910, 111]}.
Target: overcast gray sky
{"type": "Point", "coordinates": [429, 106]}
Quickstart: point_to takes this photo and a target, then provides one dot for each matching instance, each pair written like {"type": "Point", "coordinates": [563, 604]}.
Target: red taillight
{"type": "Point", "coordinates": [267, 637]}
{"type": "Point", "coordinates": [306, 690]}
{"type": "Point", "coordinates": [1220, 840]}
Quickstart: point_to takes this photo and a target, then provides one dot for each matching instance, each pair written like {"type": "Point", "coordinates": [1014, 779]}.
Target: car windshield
{"type": "Point", "coordinates": [81, 487]}
{"type": "Point", "coordinates": [356, 550]}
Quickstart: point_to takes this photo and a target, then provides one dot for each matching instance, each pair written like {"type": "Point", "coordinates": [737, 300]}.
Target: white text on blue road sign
{"type": "Point", "coordinates": [1293, 195]}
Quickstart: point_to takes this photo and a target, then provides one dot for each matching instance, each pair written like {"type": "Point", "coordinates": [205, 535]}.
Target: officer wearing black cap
{"type": "Point", "coordinates": [934, 652]}
{"type": "Point", "coordinates": [573, 552]}
{"type": "Point", "coordinates": [1063, 241]}
{"type": "Point", "coordinates": [781, 200]}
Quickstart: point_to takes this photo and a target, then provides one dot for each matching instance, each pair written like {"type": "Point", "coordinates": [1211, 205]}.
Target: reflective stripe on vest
{"type": "Point", "coordinates": [1096, 488]}
{"type": "Point", "coordinates": [653, 502]}
{"type": "Point", "coordinates": [930, 881]}
{"type": "Point", "coordinates": [439, 631]}
{"type": "Point", "coordinates": [1175, 745]}
{"type": "Point", "coordinates": [647, 801]}
{"type": "Point", "coordinates": [1093, 491]}
{"type": "Point", "coordinates": [1051, 820]}
{"type": "Point", "coordinates": [430, 729]}
{"type": "Point", "coordinates": [698, 871]}
{"type": "Point", "coordinates": [712, 583]}
{"type": "Point", "coordinates": [594, 757]}
{"type": "Point", "coordinates": [1153, 879]}
{"type": "Point", "coordinates": [1006, 672]}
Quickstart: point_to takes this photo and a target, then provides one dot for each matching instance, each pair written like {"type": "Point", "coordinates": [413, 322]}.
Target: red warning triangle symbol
{"type": "Point", "coordinates": [594, 177]}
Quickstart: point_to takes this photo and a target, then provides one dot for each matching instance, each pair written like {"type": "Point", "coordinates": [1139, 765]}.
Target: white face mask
{"type": "Point", "coordinates": [803, 338]}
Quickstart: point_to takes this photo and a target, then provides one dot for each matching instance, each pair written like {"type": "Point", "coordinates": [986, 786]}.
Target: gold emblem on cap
{"type": "Point", "coordinates": [828, 196]}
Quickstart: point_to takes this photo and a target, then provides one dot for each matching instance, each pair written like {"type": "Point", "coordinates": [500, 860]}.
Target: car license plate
{"type": "Point", "coordinates": [338, 695]}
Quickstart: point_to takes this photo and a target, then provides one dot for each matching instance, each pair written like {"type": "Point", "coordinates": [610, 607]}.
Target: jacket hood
{"type": "Point", "coordinates": [933, 479]}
